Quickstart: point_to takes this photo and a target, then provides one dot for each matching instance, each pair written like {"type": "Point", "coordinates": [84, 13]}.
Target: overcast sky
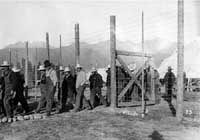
{"type": "Point", "coordinates": [31, 19]}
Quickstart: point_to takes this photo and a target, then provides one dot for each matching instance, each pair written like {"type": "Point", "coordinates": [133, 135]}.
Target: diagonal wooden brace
{"type": "Point", "coordinates": [134, 79]}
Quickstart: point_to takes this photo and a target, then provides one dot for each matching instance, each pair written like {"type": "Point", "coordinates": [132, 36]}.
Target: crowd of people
{"type": "Point", "coordinates": [70, 87]}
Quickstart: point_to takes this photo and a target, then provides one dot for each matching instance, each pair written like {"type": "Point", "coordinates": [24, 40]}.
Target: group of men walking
{"type": "Point", "coordinates": [71, 89]}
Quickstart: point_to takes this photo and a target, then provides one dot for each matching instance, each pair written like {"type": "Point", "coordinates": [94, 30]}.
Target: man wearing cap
{"type": "Point", "coordinates": [68, 89]}
{"type": "Point", "coordinates": [108, 83]}
{"type": "Point", "coordinates": [51, 83]}
{"type": "Point", "coordinates": [10, 86]}
{"type": "Point", "coordinates": [19, 89]}
{"type": "Point", "coordinates": [96, 83]}
{"type": "Point", "coordinates": [80, 88]}
{"type": "Point", "coordinates": [169, 80]}
{"type": "Point", "coordinates": [43, 91]}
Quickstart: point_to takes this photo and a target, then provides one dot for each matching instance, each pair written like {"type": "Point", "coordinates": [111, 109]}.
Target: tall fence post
{"type": "Point", "coordinates": [143, 89]}
{"type": "Point", "coordinates": [113, 61]}
{"type": "Point", "coordinates": [36, 74]}
{"type": "Point", "coordinates": [47, 46]}
{"type": "Point", "coordinates": [180, 61]}
{"type": "Point", "coordinates": [10, 56]}
{"type": "Point", "coordinates": [77, 45]}
{"type": "Point", "coordinates": [26, 72]}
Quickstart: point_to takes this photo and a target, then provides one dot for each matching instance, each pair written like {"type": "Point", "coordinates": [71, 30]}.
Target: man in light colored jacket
{"type": "Point", "coordinates": [80, 88]}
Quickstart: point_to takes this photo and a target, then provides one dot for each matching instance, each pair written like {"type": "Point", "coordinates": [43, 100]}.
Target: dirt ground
{"type": "Point", "coordinates": [112, 124]}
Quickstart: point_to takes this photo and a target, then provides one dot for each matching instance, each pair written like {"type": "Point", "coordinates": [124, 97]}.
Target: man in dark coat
{"type": "Point", "coordinates": [96, 83]}
{"type": "Point", "coordinates": [9, 82]}
{"type": "Point", "coordinates": [68, 89]}
{"type": "Point", "coordinates": [169, 80]}
{"type": "Point", "coordinates": [19, 89]}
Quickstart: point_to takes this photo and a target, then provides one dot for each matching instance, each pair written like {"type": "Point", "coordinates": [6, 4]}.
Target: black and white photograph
{"type": "Point", "coordinates": [99, 69]}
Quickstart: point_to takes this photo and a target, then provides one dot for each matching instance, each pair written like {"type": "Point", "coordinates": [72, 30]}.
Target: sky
{"type": "Point", "coordinates": [29, 20]}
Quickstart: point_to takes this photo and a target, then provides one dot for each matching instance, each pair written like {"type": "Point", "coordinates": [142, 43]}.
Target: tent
{"type": "Point", "coordinates": [191, 61]}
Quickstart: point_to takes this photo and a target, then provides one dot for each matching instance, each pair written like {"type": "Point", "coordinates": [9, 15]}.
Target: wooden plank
{"type": "Point", "coordinates": [123, 92]}
{"type": "Point", "coordinates": [127, 53]}
{"type": "Point", "coordinates": [77, 44]}
{"type": "Point", "coordinates": [113, 62]}
{"type": "Point", "coordinates": [47, 46]}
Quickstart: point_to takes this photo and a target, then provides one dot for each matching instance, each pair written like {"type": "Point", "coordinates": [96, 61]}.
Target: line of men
{"type": "Point", "coordinates": [73, 87]}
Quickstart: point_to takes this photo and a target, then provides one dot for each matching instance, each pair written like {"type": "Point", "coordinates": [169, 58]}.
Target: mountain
{"type": "Point", "coordinates": [91, 54]}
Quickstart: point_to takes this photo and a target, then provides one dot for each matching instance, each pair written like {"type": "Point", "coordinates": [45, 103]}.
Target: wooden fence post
{"type": "Point", "coordinates": [113, 62]}
{"type": "Point", "coordinates": [26, 72]}
{"type": "Point", "coordinates": [180, 61]}
{"type": "Point", "coordinates": [77, 45]}
{"type": "Point", "coordinates": [47, 46]}
{"type": "Point", "coordinates": [143, 90]}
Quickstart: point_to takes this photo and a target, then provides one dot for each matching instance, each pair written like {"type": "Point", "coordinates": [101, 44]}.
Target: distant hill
{"type": "Point", "coordinates": [91, 54]}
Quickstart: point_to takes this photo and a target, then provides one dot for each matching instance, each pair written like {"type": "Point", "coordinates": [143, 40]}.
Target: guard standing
{"type": "Point", "coordinates": [169, 80]}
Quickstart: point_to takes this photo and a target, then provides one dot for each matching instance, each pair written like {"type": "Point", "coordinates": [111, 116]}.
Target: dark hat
{"type": "Point", "coordinates": [47, 63]}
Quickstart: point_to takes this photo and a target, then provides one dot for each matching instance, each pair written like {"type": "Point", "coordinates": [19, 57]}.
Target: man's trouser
{"type": "Point", "coordinates": [50, 94]}
{"type": "Point", "coordinates": [169, 95]}
{"type": "Point", "coordinates": [108, 95]}
{"type": "Point", "coordinates": [8, 102]}
{"type": "Point", "coordinates": [2, 102]}
{"type": "Point", "coordinates": [19, 97]}
{"type": "Point", "coordinates": [81, 101]}
{"type": "Point", "coordinates": [94, 92]}
{"type": "Point", "coordinates": [42, 97]}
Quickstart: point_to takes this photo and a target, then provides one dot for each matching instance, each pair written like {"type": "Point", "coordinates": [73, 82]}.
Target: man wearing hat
{"type": "Point", "coordinates": [80, 88]}
{"type": "Point", "coordinates": [51, 83]}
{"type": "Point", "coordinates": [169, 80]}
{"type": "Point", "coordinates": [96, 83]}
{"type": "Point", "coordinates": [68, 89]}
{"type": "Point", "coordinates": [19, 89]}
{"type": "Point", "coordinates": [43, 91]}
{"type": "Point", "coordinates": [9, 82]}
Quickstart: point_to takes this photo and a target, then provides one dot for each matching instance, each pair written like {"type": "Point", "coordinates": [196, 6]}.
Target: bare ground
{"type": "Point", "coordinates": [110, 124]}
